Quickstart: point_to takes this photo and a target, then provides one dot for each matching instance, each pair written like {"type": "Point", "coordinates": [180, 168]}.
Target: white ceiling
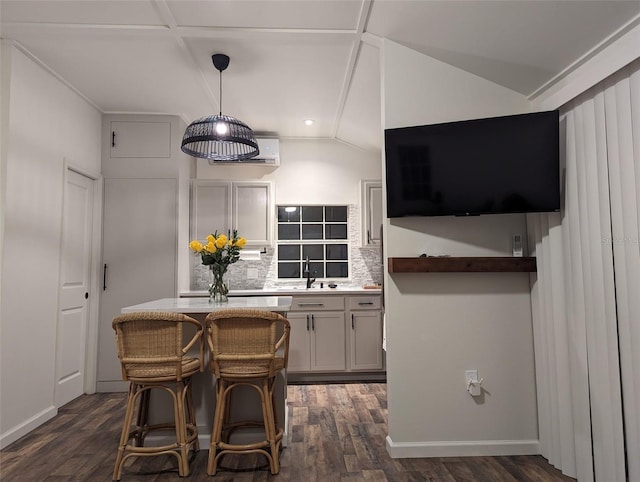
{"type": "Point", "coordinates": [297, 59]}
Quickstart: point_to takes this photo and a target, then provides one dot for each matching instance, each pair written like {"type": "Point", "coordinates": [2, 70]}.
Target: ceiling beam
{"type": "Point", "coordinates": [351, 66]}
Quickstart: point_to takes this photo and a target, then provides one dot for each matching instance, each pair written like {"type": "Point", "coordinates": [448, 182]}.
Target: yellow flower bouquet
{"type": "Point", "coordinates": [218, 253]}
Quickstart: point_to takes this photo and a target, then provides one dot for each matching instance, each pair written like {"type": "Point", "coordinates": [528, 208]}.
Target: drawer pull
{"type": "Point", "coordinates": [363, 303]}
{"type": "Point", "coordinates": [353, 322]}
{"type": "Point", "coordinates": [310, 304]}
{"type": "Point", "coordinates": [308, 322]}
{"type": "Point", "coordinates": [313, 323]}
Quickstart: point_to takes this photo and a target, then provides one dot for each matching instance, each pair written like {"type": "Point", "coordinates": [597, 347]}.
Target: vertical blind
{"type": "Point", "coordinates": [586, 294]}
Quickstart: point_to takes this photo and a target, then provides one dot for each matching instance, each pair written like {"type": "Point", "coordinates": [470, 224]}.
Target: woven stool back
{"type": "Point", "coordinates": [246, 343]}
{"type": "Point", "coordinates": [151, 345]}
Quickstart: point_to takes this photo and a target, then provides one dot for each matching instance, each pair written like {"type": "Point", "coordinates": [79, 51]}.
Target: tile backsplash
{"type": "Point", "coordinates": [364, 265]}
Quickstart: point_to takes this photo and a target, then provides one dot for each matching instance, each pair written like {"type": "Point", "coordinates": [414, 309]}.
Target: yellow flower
{"type": "Point", "coordinates": [221, 241]}
{"type": "Point", "coordinates": [196, 246]}
{"type": "Point", "coordinates": [219, 250]}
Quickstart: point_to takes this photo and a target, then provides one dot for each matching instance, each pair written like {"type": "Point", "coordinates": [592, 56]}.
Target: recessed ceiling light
{"type": "Point", "coordinates": [308, 122]}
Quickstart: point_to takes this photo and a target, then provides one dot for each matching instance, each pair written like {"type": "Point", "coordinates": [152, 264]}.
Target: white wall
{"type": "Point", "coordinates": [312, 171]}
{"type": "Point", "coordinates": [441, 324]}
{"type": "Point", "coordinates": [47, 125]}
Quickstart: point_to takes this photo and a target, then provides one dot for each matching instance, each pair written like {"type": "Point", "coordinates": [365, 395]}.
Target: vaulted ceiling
{"type": "Point", "coordinates": [293, 60]}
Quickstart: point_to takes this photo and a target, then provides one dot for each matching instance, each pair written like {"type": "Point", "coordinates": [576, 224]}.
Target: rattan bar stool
{"type": "Point", "coordinates": [153, 355]}
{"type": "Point", "coordinates": [246, 348]}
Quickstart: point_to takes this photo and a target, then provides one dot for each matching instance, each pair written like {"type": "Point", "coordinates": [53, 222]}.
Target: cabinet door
{"type": "Point", "coordinates": [139, 253]}
{"type": "Point", "coordinates": [366, 340]}
{"type": "Point", "coordinates": [252, 213]}
{"type": "Point", "coordinates": [372, 212]}
{"type": "Point", "coordinates": [225, 206]}
{"type": "Point", "coordinates": [328, 342]}
{"type": "Point", "coordinates": [299, 345]}
{"type": "Point", "coordinates": [140, 139]}
{"type": "Point", "coordinates": [210, 208]}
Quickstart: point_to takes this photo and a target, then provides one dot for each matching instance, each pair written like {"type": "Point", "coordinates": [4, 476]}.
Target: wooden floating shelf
{"type": "Point", "coordinates": [447, 264]}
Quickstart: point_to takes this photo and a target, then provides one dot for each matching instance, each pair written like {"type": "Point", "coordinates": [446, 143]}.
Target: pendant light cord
{"type": "Point", "coordinates": [220, 92]}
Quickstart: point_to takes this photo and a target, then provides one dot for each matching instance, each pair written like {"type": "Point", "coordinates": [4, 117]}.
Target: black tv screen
{"type": "Point", "coordinates": [504, 164]}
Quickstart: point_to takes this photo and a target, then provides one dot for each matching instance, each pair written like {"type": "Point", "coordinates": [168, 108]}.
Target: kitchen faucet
{"type": "Point", "coordinates": [307, 273]}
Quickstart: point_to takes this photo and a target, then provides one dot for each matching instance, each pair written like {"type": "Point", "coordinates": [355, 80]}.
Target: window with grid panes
{"type": "Point", "coordinates": [315, 232]}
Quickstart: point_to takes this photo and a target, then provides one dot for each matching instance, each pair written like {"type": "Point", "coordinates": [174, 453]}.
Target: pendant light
{"type": "Point", "coordinates": [220, 137]}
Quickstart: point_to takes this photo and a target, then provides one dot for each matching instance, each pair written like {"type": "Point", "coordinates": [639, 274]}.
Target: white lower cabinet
{"type": "Point", "coordinates": [317, 342]}
{"type": "Point", "coordinates": [365, 333]}
{"type": "Point", "coordinates": [335, 334]}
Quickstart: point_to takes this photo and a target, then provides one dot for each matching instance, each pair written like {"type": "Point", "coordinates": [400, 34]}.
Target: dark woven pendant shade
{"type": "Point", "coordinates": [201, 139]}
{"type": "Point", "coordinates": [220, 137]}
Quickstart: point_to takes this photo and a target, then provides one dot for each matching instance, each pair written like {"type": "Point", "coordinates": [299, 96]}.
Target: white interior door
{"type": "Point", "coordinates": [74, 287]}
{"type": "Point", "coordinates": [139, 252]}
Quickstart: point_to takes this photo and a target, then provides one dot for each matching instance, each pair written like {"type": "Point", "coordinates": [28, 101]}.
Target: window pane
{"type": "Point", "coordinates": [337, 270]}
{"type": "Point", "coordinates": [289, 251]}
{"type": "Point", "coordinates": [289, 270]}
{"type": "Point", "coordinates": [288, 214]}
{"type": "Point", "coordinates": [317, 270]}
{"type": "Point", "coordinates": [335, 213]}
{"type": "Point", "coordinates": [337, 251]}
{"type": "Point", "coordinates": [312, 231]}
{"type": "Point", "coordinates": [312, 214]}
{"type": "Point", "coordinates": [288, 231]}
{"type": "Point", "coordinates": [335, 231]}
{"type": "Point", "coordinates": [312, 251]}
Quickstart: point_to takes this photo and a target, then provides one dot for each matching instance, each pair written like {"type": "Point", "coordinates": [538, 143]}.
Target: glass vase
{"type": "Point", "coordinates": [218, 290]}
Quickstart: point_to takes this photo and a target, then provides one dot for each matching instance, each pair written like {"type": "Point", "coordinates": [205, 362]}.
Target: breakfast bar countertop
{"type": "Point", "coordinates": [202, 304]}
{"type": "Point", "coordinates": [290, 291]}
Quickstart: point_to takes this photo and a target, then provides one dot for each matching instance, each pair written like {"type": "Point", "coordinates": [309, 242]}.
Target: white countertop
{"type": "Point", "coordinates": [202, 305]}
{"type": "Point", "coordinates": [290, 291]}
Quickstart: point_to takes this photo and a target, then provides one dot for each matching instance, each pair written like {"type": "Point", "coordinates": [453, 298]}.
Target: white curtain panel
{"type": "Point", "coordinates": [586, 294]}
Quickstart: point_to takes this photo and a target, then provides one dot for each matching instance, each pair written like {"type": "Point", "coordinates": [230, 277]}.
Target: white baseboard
{"type": "Point", "coordinates": [466, 448]}
{"type": "Point", "coordinates": [27, 426]}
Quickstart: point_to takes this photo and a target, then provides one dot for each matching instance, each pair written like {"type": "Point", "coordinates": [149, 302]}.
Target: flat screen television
{"type": "Point", "coordinates": [506, 164]}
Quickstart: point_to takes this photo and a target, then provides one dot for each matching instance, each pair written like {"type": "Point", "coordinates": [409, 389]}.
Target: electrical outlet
{"type": "Point", "coordinates": [470, 375]}
{"type": "Point", "coordinates": [472, 382]}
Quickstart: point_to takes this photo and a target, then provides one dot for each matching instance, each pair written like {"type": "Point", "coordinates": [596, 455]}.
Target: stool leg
{"type": "Point", "coordinates": [181, 429]}
{"type": "Point", "coordinates": [269, 426]}
{"type": "Point", "coordinates": [216, 432]}
{"type": "Point", "coordinates": [192, 414]}
{"type": "Point", "coordinates": [143, 416]}
{"type": "Point", "coordinates": [124, 435]}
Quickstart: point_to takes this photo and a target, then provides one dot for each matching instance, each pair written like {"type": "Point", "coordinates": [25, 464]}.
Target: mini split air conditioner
{"type": "Point", "coordinates": [269, 154]}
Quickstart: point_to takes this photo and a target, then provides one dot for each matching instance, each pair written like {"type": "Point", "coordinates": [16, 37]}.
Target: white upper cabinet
{"type": "Point", "coordinates": [371, 209]}
{"type": "Point", "coordinates": [140, 139]}
{"type": "Point", "coordinates": [227, 205]}
{"type": "Point", "coordinates": [252, 211]}
{"type": "Point", "coordinates": [210, 208]}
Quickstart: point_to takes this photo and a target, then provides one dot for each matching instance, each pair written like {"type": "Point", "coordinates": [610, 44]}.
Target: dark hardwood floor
{"type": "Point", "coordinates": [337, 433]}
